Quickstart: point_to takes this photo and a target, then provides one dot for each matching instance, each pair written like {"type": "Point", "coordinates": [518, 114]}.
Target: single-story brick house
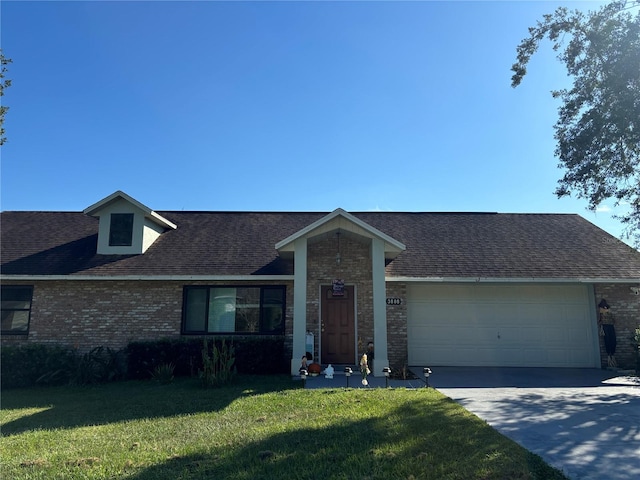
{"type": "Point", "coordinates": [456, 289]}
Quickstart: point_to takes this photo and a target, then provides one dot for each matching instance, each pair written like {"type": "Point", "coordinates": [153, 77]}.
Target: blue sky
{"type": "Point", "coordinates": [272, 106]}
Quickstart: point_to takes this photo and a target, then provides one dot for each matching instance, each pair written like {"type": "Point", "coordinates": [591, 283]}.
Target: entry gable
{"type": "Point", "coordinates": [343, 221]}
{"type": "Point", "coordinates": [127, 227]}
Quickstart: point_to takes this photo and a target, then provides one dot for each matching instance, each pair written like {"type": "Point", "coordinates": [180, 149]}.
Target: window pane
{"type": "Point", "coordinates": [248, 310]}
{"type": "Point", "coordinates": [17, 321]}
{"type": "Point", "coordinates": [10, 293]}
{"type": "Point", "coordinates": [273, 310]}
{"type": "Point", "coordinates": [195, 309]}
{"type": "Point", "coordinates": [121, 229]}
{"type": "Point", "coordinates": [234, 310]}
{"type": "Point", "coordinates": [222, 310]}
{"type": "Point", "coordinates": [16, 304]}
{"type": "Point", "coordinates": [16, 308]}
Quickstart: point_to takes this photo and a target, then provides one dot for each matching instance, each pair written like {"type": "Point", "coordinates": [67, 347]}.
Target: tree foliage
{"type": "Point", "coordinates": [598, 127]}
{"type": "Point", "coordinates": [4, 83]}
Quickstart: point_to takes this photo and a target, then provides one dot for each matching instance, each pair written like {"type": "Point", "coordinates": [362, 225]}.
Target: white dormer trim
{"type": "Point", "coordinates": [97, 207]}
{"type": "Point", "coordinates": [147, 224]}
{"type": "Point", "coordinates": [343, 220]}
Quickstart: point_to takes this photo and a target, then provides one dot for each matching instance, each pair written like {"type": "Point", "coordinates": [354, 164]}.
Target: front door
{"type": "Point", "coordinates": [337, 326]}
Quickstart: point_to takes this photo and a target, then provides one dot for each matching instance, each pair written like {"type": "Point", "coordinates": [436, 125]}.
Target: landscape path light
{"type": "Point", "coordinates": [347, 373]}
{"type": "Point", "coordinates": [387, 373]}
{"type": "Point", "coordinates": [427, 372]}
{"type": "Point", "coordinates": [303, 376]}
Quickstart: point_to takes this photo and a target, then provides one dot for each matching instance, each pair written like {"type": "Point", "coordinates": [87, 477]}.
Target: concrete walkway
{"type": "Point", "coordinates": [585, 422]}
{"type": "Point", "coordinates": [339, 380]}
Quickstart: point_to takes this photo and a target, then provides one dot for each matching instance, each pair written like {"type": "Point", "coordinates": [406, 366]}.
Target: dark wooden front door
{"type": "Point", "coordinates": [338, 327]}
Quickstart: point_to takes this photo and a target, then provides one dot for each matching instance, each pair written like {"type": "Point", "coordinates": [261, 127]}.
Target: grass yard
{"type": "Point", "coordinates": [257, 428]}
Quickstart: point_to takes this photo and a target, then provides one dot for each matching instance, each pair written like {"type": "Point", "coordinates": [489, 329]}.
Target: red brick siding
{"type": "Point", "coordinates": [625, 308]}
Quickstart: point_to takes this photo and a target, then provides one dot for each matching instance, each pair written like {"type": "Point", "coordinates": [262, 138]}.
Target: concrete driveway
{"type": "Point", "coordinates": [585, 422]}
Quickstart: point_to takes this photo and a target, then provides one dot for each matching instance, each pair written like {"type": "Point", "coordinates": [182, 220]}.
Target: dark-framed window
{"type": "Point", "coordinates": [121, 230]}
{"type": "Point", "coordinates": [16, 309]}
{"type": "Point", "coordinates": [233, 309]}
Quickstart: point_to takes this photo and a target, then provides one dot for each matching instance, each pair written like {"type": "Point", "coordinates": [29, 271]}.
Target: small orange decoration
{"type": "Point", "coordinates": [315, 368]}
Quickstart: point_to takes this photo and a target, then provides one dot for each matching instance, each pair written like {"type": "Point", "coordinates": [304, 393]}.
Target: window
{"type": "Point", "coordinates": [233, 310]}
{"type": "Point", "coordinates": [16, 309]}
{"type": "Point", "coordinates": [121, 230]}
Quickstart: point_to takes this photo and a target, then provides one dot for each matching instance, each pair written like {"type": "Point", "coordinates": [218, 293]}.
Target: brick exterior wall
{"type": "Point", "coordinates": [355, 269]}
{"type": "Point", "coordinates": [397, 327]}
{"type": "Point", "coordinates": [87, 314]}
{"type": "Point", "coordinates": [625, 309]}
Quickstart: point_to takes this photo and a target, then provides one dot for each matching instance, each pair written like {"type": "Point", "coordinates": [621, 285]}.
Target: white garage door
{"type": "Point", "coordinates": [501, 325]}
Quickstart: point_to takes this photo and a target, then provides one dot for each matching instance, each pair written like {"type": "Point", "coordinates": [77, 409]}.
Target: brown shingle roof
{"type": "Point", "coordinates": [448, 245]}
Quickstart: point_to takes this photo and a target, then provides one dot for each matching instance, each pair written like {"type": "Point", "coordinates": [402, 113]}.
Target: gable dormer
{"type": "Point", "coordinates": [127, 227]}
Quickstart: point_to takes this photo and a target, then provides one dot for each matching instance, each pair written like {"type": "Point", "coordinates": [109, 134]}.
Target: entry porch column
{"type": "Point", "coordinates": [299, 303]}
{"type": "Point", "coordinates": [381, 358]}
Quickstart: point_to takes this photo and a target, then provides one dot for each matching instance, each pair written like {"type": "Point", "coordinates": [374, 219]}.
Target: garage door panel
{"type": "Point", "coordinates": [578, 356]}
{"type": "Point", "coordinates": [532, 335]}
{"type": "Point", "coordinates": [418, 355]}
{"type": "Point", "coordinates": [445, 312]}
{"type": "Point", "coordinates": [555, 337]}
{"type": "Point", "coordinates": [557, 356]}
{"type": "Point", "coordinates": [507, 335]}
{"type": "Point", "coordinates": [494, 313]}
{"type": "Point", "coordinates": [532, 313]}
{"type": "Point", "coordinates": [513, 325]}
{"type": "Point", "coordinates": [534, 356]}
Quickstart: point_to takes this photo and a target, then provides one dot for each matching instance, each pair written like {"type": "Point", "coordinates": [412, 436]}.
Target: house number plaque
{"type": "Point", "coordinates": [394, 301]}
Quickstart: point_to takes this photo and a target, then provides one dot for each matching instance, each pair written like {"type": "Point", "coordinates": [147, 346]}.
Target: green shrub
{"type": "Point", "coordinates": [144, 356]}
{"type": "Point", "coordinates": [114, 364]}
{"type": "Point", "coordinates": [98, 365]}
{"type": "Point", "coordinates": [22, 366]}
{"type": "Point", "coordinates": [261, 355]}
{"type": "Point", "coordinates": [42, 364]}
{"type": "Point", "coordinates": [217, 363]}
{"type": "Point", "coordinates": [163, 373]}
{"type": "Point", "coordinates": [253, 355]}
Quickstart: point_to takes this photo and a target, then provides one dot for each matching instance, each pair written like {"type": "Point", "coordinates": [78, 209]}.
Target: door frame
{"type": "Point", "coordinates": [355, 321]}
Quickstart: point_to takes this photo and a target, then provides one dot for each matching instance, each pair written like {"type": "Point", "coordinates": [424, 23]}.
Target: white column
{"type": "Point", "coordinates": [299, 303]}
{"type": "Point", "coordinates": [381, 358]}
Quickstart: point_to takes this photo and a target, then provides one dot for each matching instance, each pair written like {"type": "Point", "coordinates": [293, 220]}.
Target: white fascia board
{"type": "Point", "coordinates": [309, 228]}
{"type": "Point", "coordinates": [508, 280]}
{"type": "Point", "coordinates": [153, 216]}
{"type": "Point", "coordinates": [161, 220]}
{"type": "Point", "coordinates": [96, 207]}
{"type": "Point", "coordinates": [180, 278]}
{"type": "Point", "coordinates": [342, 213]}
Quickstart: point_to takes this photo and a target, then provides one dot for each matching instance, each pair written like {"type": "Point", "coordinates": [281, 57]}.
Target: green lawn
{"type": "Point", "coordinates": [257, 428]}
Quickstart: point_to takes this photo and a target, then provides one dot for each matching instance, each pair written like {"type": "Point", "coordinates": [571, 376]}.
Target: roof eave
{"type": "Point", "coordinates": [181, 278]}
{"type": "Point", "coordinates": [589, 280]}
{"type": "Point", "coordinates": [584, 280]}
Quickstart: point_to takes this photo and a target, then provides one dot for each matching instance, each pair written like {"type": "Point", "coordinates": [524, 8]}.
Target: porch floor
{"type": "Point", "coordinates": [339, 380]}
